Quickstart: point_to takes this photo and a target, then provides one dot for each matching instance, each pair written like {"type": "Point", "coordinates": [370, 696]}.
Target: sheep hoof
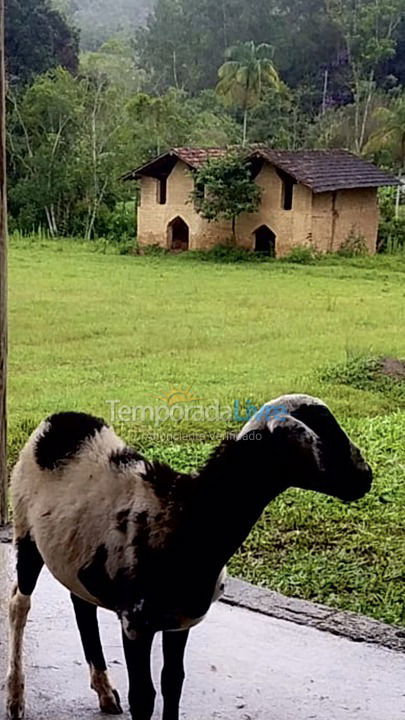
{"type": "Point", "coordinates": [111, 704]}
{"type": "Point", "coordinates": [15, 710]}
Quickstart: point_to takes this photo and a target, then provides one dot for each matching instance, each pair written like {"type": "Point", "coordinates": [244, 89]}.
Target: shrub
{"type": "Point", "coordinates": [121, 226]}
{"type": "Point", "coordinates": [228, 254]}
{"type": "Point", "coordinates": [353, 246]}
{"type": "Point", "coordinates": [153, 250]}
{"type": "Point", "coordinates": [365, 371]}
{"type": "Point", "coordinates": [301, 255]}
{"type": "Point", "coordinates": [391, 236]}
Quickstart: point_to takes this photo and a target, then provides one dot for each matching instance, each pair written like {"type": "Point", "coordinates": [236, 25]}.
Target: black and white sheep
{"type": "Point", "coordinates": [150, 543]}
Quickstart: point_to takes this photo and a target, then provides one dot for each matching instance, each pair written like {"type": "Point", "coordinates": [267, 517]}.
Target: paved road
{"type": "Point", "coordinates": [242, 665]}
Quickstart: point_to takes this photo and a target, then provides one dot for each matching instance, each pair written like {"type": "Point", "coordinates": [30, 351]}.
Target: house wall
{"type": "Point", "coordinates": [153, 219]}
{"type": "Point", "coordinates": [336, 216]}
{"type": "Point", "coordinates": [291, 227]}
{"type": "Point", "coordinates": [323, 220]}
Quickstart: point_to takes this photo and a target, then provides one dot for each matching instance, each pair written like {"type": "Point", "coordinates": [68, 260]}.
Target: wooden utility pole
{"type": "Point", "coordinates": [3, 281]}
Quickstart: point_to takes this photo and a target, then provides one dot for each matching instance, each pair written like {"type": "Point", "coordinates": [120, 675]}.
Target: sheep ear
{"type": "Point", "coordinates": [300, 425]}
{"type": "Point", "coordinates": [293, 439]}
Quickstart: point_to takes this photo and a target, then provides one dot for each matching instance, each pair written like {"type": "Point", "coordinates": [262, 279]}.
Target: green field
{"type": "Point", "coordinates": [88, 328]}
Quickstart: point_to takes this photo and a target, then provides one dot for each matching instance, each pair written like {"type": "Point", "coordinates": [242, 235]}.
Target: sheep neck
{"type": "Point", "coordinates": [233, 490]}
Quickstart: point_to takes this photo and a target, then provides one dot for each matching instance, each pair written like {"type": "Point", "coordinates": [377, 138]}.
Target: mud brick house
{"type": "Point", "coordinates": [315, 198]}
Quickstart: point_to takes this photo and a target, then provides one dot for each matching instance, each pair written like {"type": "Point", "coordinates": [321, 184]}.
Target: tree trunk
{"type": "Point", "coordinates": [398, 195]}
{"type": "Point", "coordinates": [175, 77]}
{"type": "Point", "coordinates": [245, 119]}
{"type": "Point", "coordinates": [325, 91]}
{"type": "Point", "coordinates": [366, 110]}
{"type": "Point", "coordinates": [234, 230]}
{"type": "Point", "coordinates": [3, 284]}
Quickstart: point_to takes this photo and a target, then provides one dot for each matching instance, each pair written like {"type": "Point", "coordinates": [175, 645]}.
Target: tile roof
{"type": "Point", "coordinates": [320, 170]}
{"type": "Point", "coordinates": [195, 157]}
{"type": "Point", "coordinates": [327, 170]}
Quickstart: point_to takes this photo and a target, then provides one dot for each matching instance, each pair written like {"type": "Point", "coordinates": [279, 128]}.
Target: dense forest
{"type": "Point", "coordinates": [96, 87]}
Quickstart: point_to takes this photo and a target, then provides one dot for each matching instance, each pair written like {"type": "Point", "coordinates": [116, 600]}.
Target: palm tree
{"type": "Point", "coordinates": [390, 135]}
{"type": "Point", "coordinates": [248, 68]}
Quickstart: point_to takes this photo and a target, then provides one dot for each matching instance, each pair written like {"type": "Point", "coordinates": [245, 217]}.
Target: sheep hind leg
{"type": "Point", "coordinates": [86, 618]}
{"type": "Point", "coordinates": [29, 566]}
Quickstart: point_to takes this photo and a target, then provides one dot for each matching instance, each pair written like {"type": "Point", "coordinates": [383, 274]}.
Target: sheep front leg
{"type": "Point", "coordinates": [86, 617]}
{"type": "Point", "coordinates": [18, 613]}
{"type": "Point", "coordinates": [138, 659]}
{"type": "Point", "coordinates": [174, 645]}
{"type": "Point", "coordinates": [29, 566]}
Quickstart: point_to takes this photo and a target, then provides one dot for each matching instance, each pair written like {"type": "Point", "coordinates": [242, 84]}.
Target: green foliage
{"type": "Point", "coordinates": [353, 246]}
{"type": "Point", "coordinates": [390, 132]}
{"type": "Point", "coordinates": [37, 38]}
{"type": "Point", "coordinates": [391, 236]}
{"type": "Point", "coordinates": [138, 94]}
{"type": "Point", "coordinates": [279, 120]}
{"type": "Point", "coordinates": [184, 41]}
{"type": "Point", "coordinates": [64, 171]}
{"type": "Point", "coordinates": [386, 202]}
{"type": "Point", "coordinates": [368, 30]}
{"type": "Point", "coordinates": [247, 71]}
{"type": "Point", "coordinates": [98, 20]}
{"type": "Point", "coordinates": [68, 149]}
{"type": "Point", "coordinates": [121, 227]}
{"type": "Point", "coordinates": [115, 62]}
{"type": "Point", "coordinates": [301, 255]}
{"type": "Point", "coordinates": [227, 254]}
{"type": "Point", "coordinates": [153, 251]}
{"type": "Point", "coordinates": [371, 373]}
{"type": "Point", "coordinates": [229, 189]}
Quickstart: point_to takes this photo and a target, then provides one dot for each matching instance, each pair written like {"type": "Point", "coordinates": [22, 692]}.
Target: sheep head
{"type": "Point", "coordinates": [311, 449]}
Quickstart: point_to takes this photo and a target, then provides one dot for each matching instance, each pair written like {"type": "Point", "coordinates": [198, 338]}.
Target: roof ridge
{"type": "Point", "coordinates": [321, 169]}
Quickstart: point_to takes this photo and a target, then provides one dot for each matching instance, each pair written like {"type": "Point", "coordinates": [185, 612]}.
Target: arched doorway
{"type": "Point", "coordinates": [265, 241]}
{"type": "Point", "coordinates": [179, 234]}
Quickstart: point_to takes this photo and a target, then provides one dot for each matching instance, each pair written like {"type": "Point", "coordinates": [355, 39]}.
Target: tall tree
{"type": "Point", "coordinates": [242, 78]}
{"type": "Point", "coordinates": [184, 41]}
{"type": "Point", "coordinates": [37, 38]}
{"type": "Point", "coordinates": [390, 136]}
{"type": "Point", "coordinates": [369, 31]}
{"type": "Point", "coordinates": [160, 114]}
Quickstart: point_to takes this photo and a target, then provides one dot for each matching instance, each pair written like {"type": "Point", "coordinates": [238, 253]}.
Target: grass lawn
{"type": "Point", "coordinates": [89, 328]}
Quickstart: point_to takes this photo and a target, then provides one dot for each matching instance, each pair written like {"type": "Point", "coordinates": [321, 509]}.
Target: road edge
{"type": "Point", "coordinates": [358, 628]}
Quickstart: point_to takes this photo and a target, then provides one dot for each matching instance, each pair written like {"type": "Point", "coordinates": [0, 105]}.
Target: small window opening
{"type": "Point", "coordinates": [162, 191]}
{"type": "Point", "coordinates": [199, 193]}
{"type": "Point", "coordinates": [288, 193]}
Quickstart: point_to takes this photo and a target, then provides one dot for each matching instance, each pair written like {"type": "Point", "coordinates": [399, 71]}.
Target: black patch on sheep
{"type": "Point", "coordinates": [114, 593]}
{"type": "Point", "coordinates": [95, 579]}
{"type": "Point", "coordinates": [29, 564]}
{"type": "Point", "coordinates": [126, 456]}
{"type": "Point", "coordinates": [122, 520]}
{"type": "Point", "coordinates": [64, 437]}
{"type": "Point", "coordinates": [142, 531]}
{"type": "Point", "coordinates": [164, 481]}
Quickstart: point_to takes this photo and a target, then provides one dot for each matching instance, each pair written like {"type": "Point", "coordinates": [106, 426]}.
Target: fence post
{"type": "Point", "coordinates": [3, 281]}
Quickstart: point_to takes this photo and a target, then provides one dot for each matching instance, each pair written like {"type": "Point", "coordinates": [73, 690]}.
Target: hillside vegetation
{"type": "Point", "coordinates": [306, 73]}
